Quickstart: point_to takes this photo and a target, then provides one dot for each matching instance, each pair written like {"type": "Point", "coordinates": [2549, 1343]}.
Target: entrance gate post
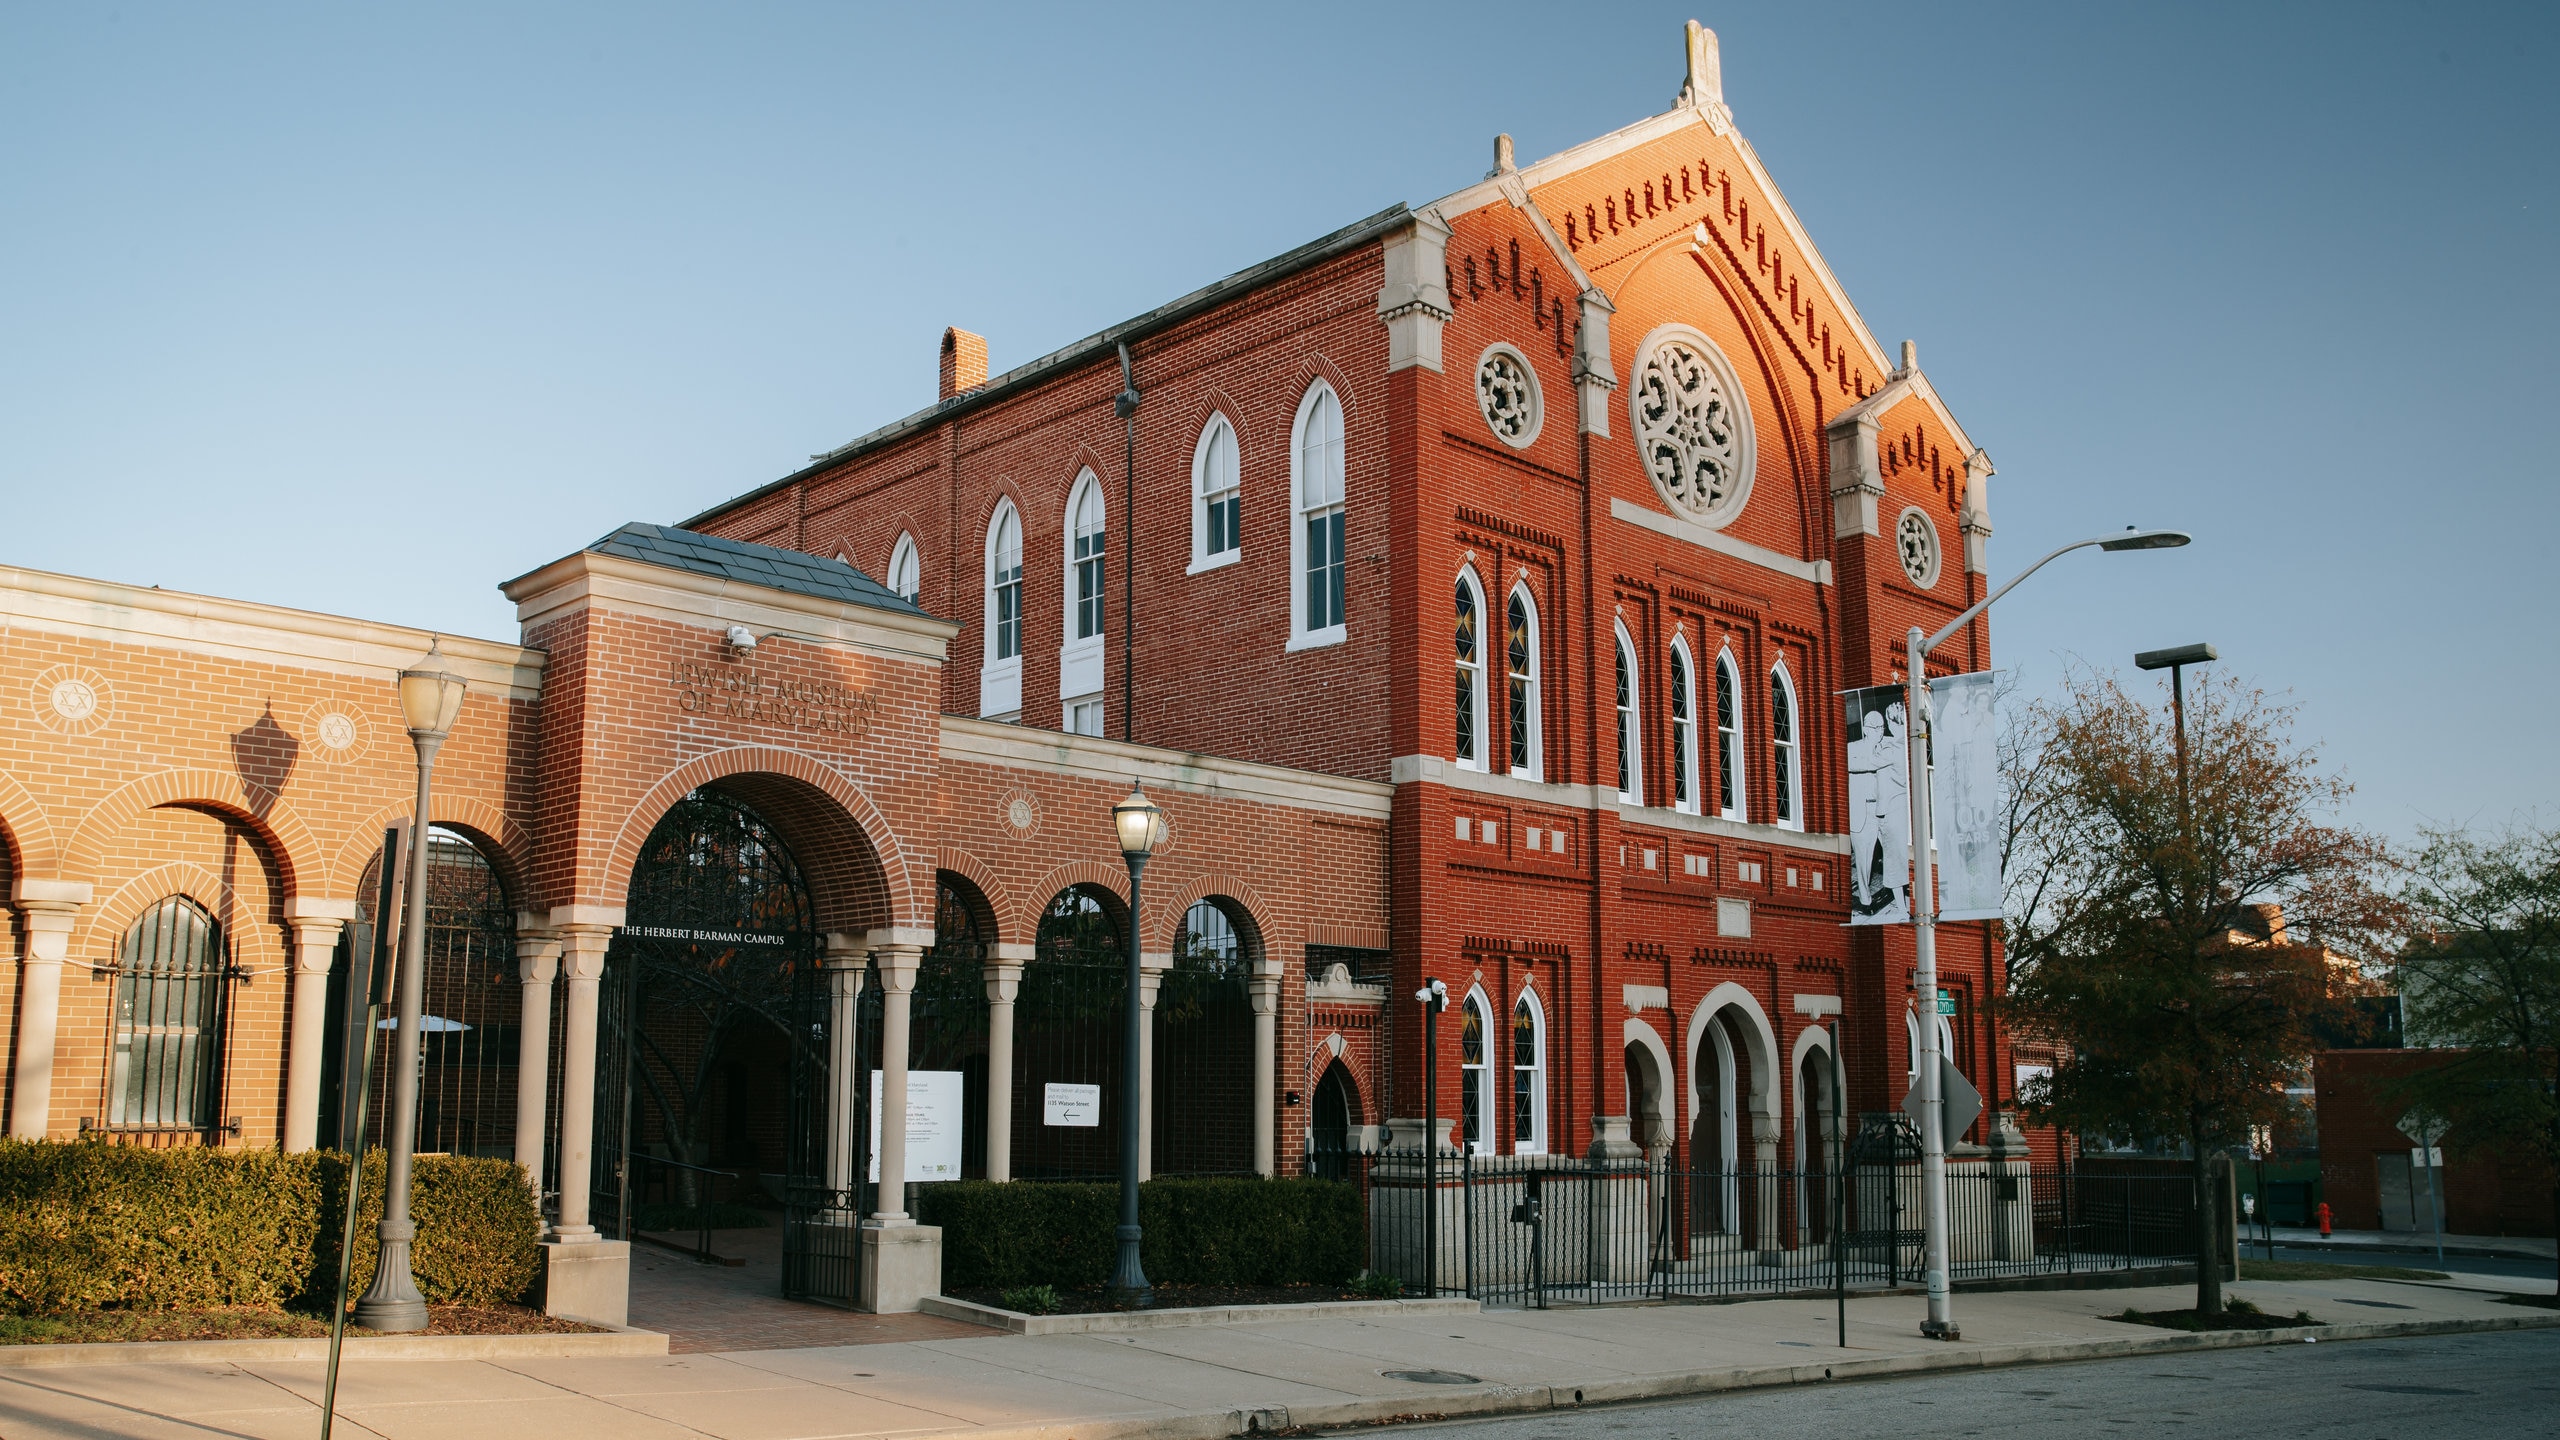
{"type": "Point", "coordinates": [844, 964]}
{"type": "Point", "coordinates": [1004, 982]}
{"type": "Point", "coordinates": [585, 1275]}
{"type": "Point", "coordinates": [1266, 1051]}
{"type": "Point", "coordinates": [537, 964]}
{"type": "Point", "coordinates": [901, 1260]}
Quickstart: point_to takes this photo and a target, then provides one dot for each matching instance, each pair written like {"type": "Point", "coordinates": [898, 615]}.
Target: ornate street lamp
{"type": "Point", "coordinates": [430, 699]}
{"type": "Point", "coordinates": [1141, 828]}
{"type": "Point", "coordinates": [1434, 997]}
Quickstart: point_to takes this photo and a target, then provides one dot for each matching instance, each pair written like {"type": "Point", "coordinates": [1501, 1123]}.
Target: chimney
{"type": "Point", "coordinates": [964, 362]}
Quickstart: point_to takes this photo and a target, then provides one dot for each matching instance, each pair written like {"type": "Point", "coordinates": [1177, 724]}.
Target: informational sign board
{"type": "Point", "coordinates": [1946, 1002]}
{"type": "Point", "coordinates": [935, 1105]}
{"type": "Point", "coordinates": [1071, 1105]}
{"type": "Point", "coordinates": [2427, 1157]}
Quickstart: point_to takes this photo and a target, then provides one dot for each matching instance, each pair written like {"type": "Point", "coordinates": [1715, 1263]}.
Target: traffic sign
{"type": "Point", "coordinates": [1946, 1002]}
{"type": "Point", "coordinates": [2423, 1125]}
{"type": "Point", "coordinates": [1962, 1103]}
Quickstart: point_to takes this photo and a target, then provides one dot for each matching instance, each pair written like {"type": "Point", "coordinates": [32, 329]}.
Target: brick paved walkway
{"type": "Point", "coordinates": [705, 1308]}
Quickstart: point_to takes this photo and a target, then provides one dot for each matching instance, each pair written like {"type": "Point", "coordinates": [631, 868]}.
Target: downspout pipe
{"type": "Point", "coordinates": [1125, 405]}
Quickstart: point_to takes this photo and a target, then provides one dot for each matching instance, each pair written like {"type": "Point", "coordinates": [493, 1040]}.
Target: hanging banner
{"type": "Point", "coordinates": [1964, 795]}
{"type": "Point", "coordinates": [1879, 808]}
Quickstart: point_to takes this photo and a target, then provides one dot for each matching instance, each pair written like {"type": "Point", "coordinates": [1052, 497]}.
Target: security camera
{"type": "Point", "coordinates": [741, 638]}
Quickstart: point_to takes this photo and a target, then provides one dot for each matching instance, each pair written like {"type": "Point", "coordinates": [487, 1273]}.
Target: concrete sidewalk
{"type": "Point", "coordinates": [1175, 1384]}
{"type": "Point", "coordinates": [2414, 1242]}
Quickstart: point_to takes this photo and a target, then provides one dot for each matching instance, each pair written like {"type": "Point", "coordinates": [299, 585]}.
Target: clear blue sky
{"type": "Point", "coordinates": [294, 298]}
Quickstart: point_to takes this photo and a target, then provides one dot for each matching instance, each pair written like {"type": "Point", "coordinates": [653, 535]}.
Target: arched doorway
{"type": "Point", "coordinates": [1066, 1034]}
{"type": "Point", "coordinates": [1818, 1136]}
{"type": "Point", "coordinates": [1202, 1087]}
{"type": "Point", "coordinates": [947, 1027]}
{"type": "Point", "coordinates": [1330, 1117]}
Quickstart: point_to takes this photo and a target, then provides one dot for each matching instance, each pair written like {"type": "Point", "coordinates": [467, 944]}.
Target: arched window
{"type": "Point", "coordinates": [1080, 658]}
{"type": "Point", "coordinates": [165, 1055]}
{"type": "Point", "coordinates": [1203, 1046]}
{"type": "Point", "coordinates": [1475, 1076]}
{"type": "Point", "coordinates": [1684, 731]}
{"type": "Point", "coordinates": [1911, 1032]}
{"type": "Point", "coordinates": [1217, 498]}
{"type": "Point", "coordinates": [1528, 1077]}
{"type": "Point", "coordinates": [1786, 774]}
{"type": "Point", "coordinates": [906, 569]}
{"type": "Point", "coordinates": [1729, 795]}
{"type": "Point", "coordinates": [1528, 748]}
{"type": "Point", "coordinates": [1000, 677]}
{"type": "Point", "coordinates": [1316, 568]}
{"type": "Point", "coordinates": [1630, 731]}
{"type": "Point", "coordinates": [1470, 648]}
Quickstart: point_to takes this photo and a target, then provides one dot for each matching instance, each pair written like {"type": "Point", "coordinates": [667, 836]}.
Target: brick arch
{"type": "Point", "coordinates": [26, 830]}
{"type": "Point", "coordinates": [507, 845]}
{"type": "Point", "coordinates": [101, 928]}
{"type": "Point", "coordinates": [1318, 366]}
{"type": "Point", "coordinates": [999, 901]}
{"type": "Point", "coordinates": [1319, 1060]}
{"type": "Point", "coordinates": [1224, 886]}
{"type": "Point", "coordinates": [1075, 872]}
{"type": "Point", "coordinates": [1215, 401]}
{"type": "Point", "coordinates": [298, 854]}
{"type": "Point", "coordinates": [857, 871]}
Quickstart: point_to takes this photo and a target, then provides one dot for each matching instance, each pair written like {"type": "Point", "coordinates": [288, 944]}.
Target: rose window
{"type": "Point", "coordinates": [1508, 393]}
{"type": "Point", "coordinates": [1693, 433]}
{"type": "Point", "coordinates": [1917, 540]}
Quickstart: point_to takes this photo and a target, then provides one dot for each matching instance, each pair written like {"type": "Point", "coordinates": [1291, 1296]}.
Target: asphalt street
{"type": "Point", "coordinates": [2488, 1386]}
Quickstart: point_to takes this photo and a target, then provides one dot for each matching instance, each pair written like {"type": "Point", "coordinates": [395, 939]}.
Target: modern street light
{"type": "Point", "coordinates": [1940, 1323]}
{"type": "Point", "coordinates": [2176, 661]}
{"type": "Point", "coordinates": [1141, 828]}
{"type": "Point", "coordinates": [430, 699]}
{"type": "Point", "coordinates": [1435, 998]}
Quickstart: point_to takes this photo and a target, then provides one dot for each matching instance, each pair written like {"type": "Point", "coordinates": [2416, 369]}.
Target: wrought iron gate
{"type": "Point", "coordinates": [835, 1041]}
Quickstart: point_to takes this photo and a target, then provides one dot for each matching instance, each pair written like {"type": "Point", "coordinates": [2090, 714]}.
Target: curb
{"type": "Point", "coordinates": [1123, 1322]}
{"type": "Point", "coordinates": [2352, 1247]}
{"type": "Point", "coordinates": [622, 1341]}
{"type": "Point", "coordinates": [1483, 1400]}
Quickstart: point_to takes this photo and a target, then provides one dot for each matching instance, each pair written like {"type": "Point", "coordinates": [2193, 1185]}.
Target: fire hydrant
{"type": "Point", "coordinates": [2324, 1219]}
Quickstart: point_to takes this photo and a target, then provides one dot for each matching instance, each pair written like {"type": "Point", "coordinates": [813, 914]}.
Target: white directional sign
{"type": "Point", "coordinates": [1963, 1103]}
{"type": "Point", "coordinates": [1074, 1105]}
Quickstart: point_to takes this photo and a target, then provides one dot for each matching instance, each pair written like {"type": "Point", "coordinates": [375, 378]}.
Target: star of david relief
{"type": "Point", "coordinates": [1508, 393]}
{"type": "Point", "coordinates": [1691, 428]}
{"type": "Point", "coordinates": [1917, 541]}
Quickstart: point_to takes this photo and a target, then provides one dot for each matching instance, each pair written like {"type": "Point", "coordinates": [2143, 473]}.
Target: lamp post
{"type": "Point", "coordinates": [2176, 661]}
{"type": "Point", "coordinates": [1940, 1323]}
{"type": "Point", "coordinates": [1141, 828]}
{"type": "Point", "coordinates": [1435, 998]}
{"type": "Point", "coordinates": [430, 698]}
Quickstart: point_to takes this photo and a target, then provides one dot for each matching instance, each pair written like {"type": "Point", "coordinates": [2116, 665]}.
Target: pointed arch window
{"type": "Point", "coordinates": [1475, 1075]}
{"type": "Point", "coordinates": [1684, 731]}
{"type": "Point", "coordinates": [1786, 772]}
{"type": "Point", "coordinates": [1729, 793]}
{"type": "Point", "coordinates": [1085, 532]}
{"type": "Point", "coordinates": [1630, 731]}
{"type": "Point", "coordinates": [165, 1054]}
{"type": "Point", "coordinates": [1316, 541]}
{"type": "Point", "coordinates": [1469, 638]}
{"type": "Point", "coordinates": [1000, 675]}
{"type": "Point", "coordinates": [1528, 749]}
{"type": "Point", "coordinates": [1528, 1077]}
{"type": "Point", "coordinates": [1217, 498]}
{"type": "Point", "coordinates": [906, 569]}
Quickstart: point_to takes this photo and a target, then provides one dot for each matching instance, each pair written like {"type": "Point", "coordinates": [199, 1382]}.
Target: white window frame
{"type": "Point", "coordinates": [1535, 1142]}
{"type": "Point", "coordinates": [1630, 721]}
{"type": "Point", "coordinates": [1532, 761]}
{"type": "Point", "coordinates": [1232, 488]}
{"type": "Point", "coordinates": [1302, 636]}
{"type": "Point", "coordinates": [1000, 675]}
{"type": "Point", "coordinates": [1477, 1079]}
{"type": "Point", "coordinates": [1482, 760]}
{"type": "Point", "coordinates": [1787, 750]}
{"type": "Point", "coordinates": [1729, 741]}
{"type": "Point", "coordinates": [1687, 785]}
{"type": "Point", "coordinates": [1911, 1030]}
{"type": "Point", "coordinates": [1081, 658]}
{"type": "Point", "coordinates": [906, 569]}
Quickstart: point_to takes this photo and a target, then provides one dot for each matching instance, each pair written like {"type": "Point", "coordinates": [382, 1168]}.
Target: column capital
{"type": "Point", "coordinates": [582, 947]}
{"type": "Point", "coordinates": [537, 958]}
{"type": "Point", "coordinates": [319, 907]}
{"type": "Point", "coordinates": [846, 949]}
{"type": "Point", "coordinates": [1004, 981]}
{"type": "Point", "coordinates": [898, 965]}
{"type": "Point", "coordinates": [564, 917]}
{"type": "Point", "coordinates": [315, 944]}
{"type": "Point", "coordinates": [918, 936]}
{"type": "Point", "coordinates": [50, 894]}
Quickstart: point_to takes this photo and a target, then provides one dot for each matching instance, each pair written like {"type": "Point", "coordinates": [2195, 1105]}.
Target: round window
{"type": "Point", "coordinates": [1691, 425]}
{"type": "Point", "coordinates": [1507, 390]}
{"type": "Point", "coordinates": [1917, 539]}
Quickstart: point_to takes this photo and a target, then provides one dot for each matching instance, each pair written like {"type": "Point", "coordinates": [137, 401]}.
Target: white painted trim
{"type": "Point", "coordinates": [588, 579]}
{"type": "Point", "coordinates": [1641, 1035]}
{"type": "Point", "coordinates": [1315, 639]}
{"type": "Point", "coordinates": [910, 554]}
{"type": "Point", "coordinates": [1489, 1120]}
{"type": "Point", "coordinates": [1474, 585]}
{"type": "Point", "coordinates": [1656, 818]}
{"type": "Point", "coordinates": [1682, 664]}
{"type": "Point", "coordinates": [1201, 559]}
{"type": "Point", "coordinates": [1664, 523]}
{"type": "Point", "coordinates": [1630, 720]}
{"type": "Point", "coordinates": [1937, 548]}
{"type": "Point", "coordinates": [1544, 1139]}
{"type": "Point", "coordinates": [1783, 679]}
{"type": "Point", "coordinates": [259, 634]}
{"type": "Point", "coordinates": [1535, 770]}
{"type": "Point", "coordinates": [1215, 562]}
{"type": "Point", "coordinates": [1300, 637]}
{"type": "Point", "coordinates": [1733, 754]}
{"type": "Point", "coordinates": [1746, 449]}
{"type": "Point", "coordinates": [1085, 485]}
{"type": "Point", "coordinates": [1089, 757]}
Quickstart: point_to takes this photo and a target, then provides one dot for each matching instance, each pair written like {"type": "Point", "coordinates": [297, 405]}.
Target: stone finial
{"type": "Point", "coordinates": [1704, 89]}
{"type": "Point", "coordinates": [1503, 163]}
{"type": "Point", "coordinates": [1910, 359]}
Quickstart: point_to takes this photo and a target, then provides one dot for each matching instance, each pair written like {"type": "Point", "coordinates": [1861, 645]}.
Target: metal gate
{"type": "Point", "coordinates": [835, 1041]}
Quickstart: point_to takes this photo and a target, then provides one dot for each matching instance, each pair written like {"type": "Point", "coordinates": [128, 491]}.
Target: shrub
{"type": "Point", "coordinates": [1032, 1299]}
{"type": "Point", "coordinates": [1242, 1231]}
{"type": "Point", "coordinates": [86, 1226]}
{"type": "Point", "coordinates": [1376, 1287]}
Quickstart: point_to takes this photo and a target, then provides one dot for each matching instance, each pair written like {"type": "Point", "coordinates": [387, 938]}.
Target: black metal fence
{"type": "Point", "coordinates": [1541, 1230]}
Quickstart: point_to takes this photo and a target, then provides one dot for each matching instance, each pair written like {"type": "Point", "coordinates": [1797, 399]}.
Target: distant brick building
{"type": "Point", "coordinates": [1471, 585]}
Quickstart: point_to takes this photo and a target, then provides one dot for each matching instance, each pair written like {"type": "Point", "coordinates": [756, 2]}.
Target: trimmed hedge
{"type": "Point", "coordinates": [1244, 1231]}
{"type": "Point", "coordinates": [88, 1226]}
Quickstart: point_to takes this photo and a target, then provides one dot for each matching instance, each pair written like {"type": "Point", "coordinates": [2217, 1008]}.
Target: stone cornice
{"type": "Point", "coordinates": [1661, 523]}
{"type": "Point", "coordinates": [610, 582]}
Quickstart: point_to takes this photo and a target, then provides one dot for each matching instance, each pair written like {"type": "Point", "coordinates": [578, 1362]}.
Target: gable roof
{"type": "Point", "coordinates": [792, 571]}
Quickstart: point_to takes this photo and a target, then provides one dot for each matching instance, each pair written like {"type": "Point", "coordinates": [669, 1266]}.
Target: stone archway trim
{"type": "Point", "coordinates": [1757, 1034]}
{"type": "Point", "coordinates": [1223, 885]}
{"type": "Point", "coordinates": [609, 889]}
{"type": "Point", "coordinates": [1641, 1034]}
{"type": "Point", "coordinates": [297, 852]}
{"type": "Point", "coordinates": [507, 844]}
{"type": "Point", "coordinates": [28, 829]}
{"type": "Point", "coordinates": [999, 899]}
{"type": "Point", "coordinates": [1074, 872]}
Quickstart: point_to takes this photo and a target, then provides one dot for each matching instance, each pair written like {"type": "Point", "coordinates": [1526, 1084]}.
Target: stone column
{"type": "Point", "coordinates": [1151, 968]}
{"type": "Point", "coordinates": [1004, 982]}
{"type": "Point", "coordinates": [845, 956]}
{"type": "Point", "coordinates": [46, 910]}
{"type": "Point", "coordinates": [897, 959]}
{"type": "Point", "coordinates": [583, 940]}
{"type": "Point", "coordinates": [316, 927]}
{"type": "Point", "coordinates": [537, 964]}
{"type": "Point", "coordinates": [1764, 1164]}
{"type": "Point", "coordinates": [1266, 1062]}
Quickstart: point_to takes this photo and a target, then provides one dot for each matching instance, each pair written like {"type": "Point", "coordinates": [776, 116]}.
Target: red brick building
{"type": "Point", "coordinates": [1471, 586]}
